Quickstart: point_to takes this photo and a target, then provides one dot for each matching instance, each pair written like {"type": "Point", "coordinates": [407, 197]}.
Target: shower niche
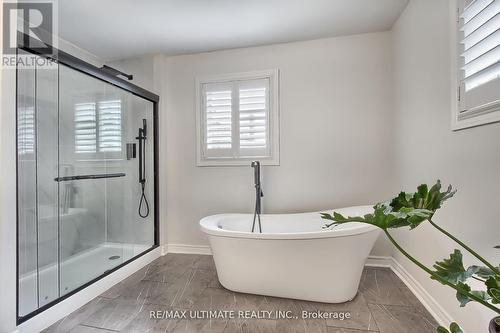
{"type": "Point", "coordinates": [85, 206]}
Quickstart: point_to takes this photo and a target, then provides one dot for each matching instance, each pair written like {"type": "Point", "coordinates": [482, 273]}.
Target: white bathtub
{"type": "Point", "coordinates": [294, 257]}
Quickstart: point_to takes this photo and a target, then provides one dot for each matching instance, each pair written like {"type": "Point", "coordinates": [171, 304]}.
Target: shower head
{"type": "Point", "coordinates": [116, 72]}
{"type": "Point", "coordinates": [143, 130]}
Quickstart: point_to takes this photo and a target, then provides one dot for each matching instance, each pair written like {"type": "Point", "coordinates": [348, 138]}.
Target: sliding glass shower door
{"type": "Point", "coordinates": [99, 189]}
{"type": "Point", "coordinates": [85, 181]}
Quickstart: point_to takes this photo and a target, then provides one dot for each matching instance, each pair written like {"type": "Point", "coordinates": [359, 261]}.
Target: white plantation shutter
{"type": "Point", "coordinates": [254, 117]}
{"type": "Point", "coordinates": [110, 126]}
{"type": "Point", "coordinates": [479, 57]}
{"type": "Point", "coordinates": [218, 118]}
{"type": "Point", "coordinates": [85, 128]}
{"type": "Point", "coordinates": [26, 130]}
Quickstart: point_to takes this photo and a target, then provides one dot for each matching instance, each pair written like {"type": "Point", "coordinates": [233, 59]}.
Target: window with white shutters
{"type": "Point", "coordinates": [238, 119]}
{"type": "Point", "coordinates": [98, 127]}
{"type": "Point", "coordinates": [478, 50]}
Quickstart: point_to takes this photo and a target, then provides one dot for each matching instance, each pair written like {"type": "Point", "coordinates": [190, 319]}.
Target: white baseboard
{"type": "Point", "coordinates": [379, 261]}
{"type": "Point", "coordinates": [372, 261]}
{"type": "Point", "coordinates": [429, 302]}
{"type": "Point", "coordinates": [190, 249]}
{"type": "Point", "coordinates": [164, 250]}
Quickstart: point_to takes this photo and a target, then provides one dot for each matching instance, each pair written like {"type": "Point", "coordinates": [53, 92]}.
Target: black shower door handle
{"type": "Point", "coordinates": [82, 177]}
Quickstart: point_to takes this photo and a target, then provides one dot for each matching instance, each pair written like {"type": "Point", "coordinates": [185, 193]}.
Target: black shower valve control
{"type": "Point", "coordinates": [131, 151]}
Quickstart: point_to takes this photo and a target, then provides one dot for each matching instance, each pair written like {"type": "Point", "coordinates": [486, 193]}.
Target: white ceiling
{"type": "Point", "coordinates": [115, 29]}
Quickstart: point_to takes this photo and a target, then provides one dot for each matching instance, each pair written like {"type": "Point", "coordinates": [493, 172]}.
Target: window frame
{"type": "Point", "coordinates": [274, 125]}
{"type": "Point", "coordinates": [487, 113]}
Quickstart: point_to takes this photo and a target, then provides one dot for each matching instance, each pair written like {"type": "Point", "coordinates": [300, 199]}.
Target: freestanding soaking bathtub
{"type": "Point", "coordinates": [294, 256]}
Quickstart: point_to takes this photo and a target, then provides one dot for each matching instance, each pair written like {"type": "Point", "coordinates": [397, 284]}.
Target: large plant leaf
{"type": "Point", "coordinates": [382, 217]}
{"type": "Point", "coordinates": [424, 198]}
{"type": "Point", "coordinates": [406, 210]}
{"type": "Point", "coordinates": [452, 269]}
{"type": "Point", "coordinates": [493, 288]}
{"type": "Point", "coordinates": [463, 298]}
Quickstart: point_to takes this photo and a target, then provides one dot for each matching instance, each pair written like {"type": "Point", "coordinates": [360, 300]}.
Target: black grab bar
{"type": "Point", "coordinates": [82, 177]}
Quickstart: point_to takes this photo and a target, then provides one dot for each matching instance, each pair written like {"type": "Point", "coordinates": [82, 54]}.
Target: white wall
{"type": "Point", "coordinates": [79, 52]}
{"type": "Point", "coordinates": [426, 149]}
{"type": "Point", "coordinates": [335, 102]}
{"type": "Point", "coordinates": [141, 68]}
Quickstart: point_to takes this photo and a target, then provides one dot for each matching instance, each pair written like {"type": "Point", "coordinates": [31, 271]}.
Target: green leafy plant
{"type": "Point", "coordinates": [412, 209]}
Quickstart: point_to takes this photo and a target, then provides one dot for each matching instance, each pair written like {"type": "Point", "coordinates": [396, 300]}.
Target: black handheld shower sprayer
{"type": "Point", "coordinates": [142, 137]}
{"type": "Point", "coordinates": [258, 194]}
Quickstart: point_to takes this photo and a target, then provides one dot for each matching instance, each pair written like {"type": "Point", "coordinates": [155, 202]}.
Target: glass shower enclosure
{"type": "Point", "coordinates": [86, 177]}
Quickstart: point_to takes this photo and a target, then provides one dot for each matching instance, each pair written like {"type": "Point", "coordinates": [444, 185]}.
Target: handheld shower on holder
{"type": "Point", "coordinates": [258, 194]}
{"type": "Point", "coordinates": [142, 137]}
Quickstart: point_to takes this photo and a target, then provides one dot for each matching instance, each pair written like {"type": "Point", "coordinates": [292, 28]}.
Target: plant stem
{"type": "Point", "coordinates": [471, 251]}
{"type": "Point", "coordinates": [476, 278]}
{"type": "Point", "coordinates": [437, 277]}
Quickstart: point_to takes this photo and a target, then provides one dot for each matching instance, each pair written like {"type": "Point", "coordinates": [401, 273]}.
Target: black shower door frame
{"type": "Point", "coordinates": [61, 57]}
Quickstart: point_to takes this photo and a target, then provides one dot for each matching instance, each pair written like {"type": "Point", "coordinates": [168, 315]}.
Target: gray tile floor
{"type": "Point", "coordinates": [189, 282]}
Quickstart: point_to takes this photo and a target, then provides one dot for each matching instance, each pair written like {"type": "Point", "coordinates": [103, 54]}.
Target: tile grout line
{"type": "Point", "coordinates": [97, 327]}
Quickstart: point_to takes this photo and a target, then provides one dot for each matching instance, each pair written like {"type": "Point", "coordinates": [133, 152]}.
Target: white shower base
{"type": "Point", "coordinates": [74, 272]}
